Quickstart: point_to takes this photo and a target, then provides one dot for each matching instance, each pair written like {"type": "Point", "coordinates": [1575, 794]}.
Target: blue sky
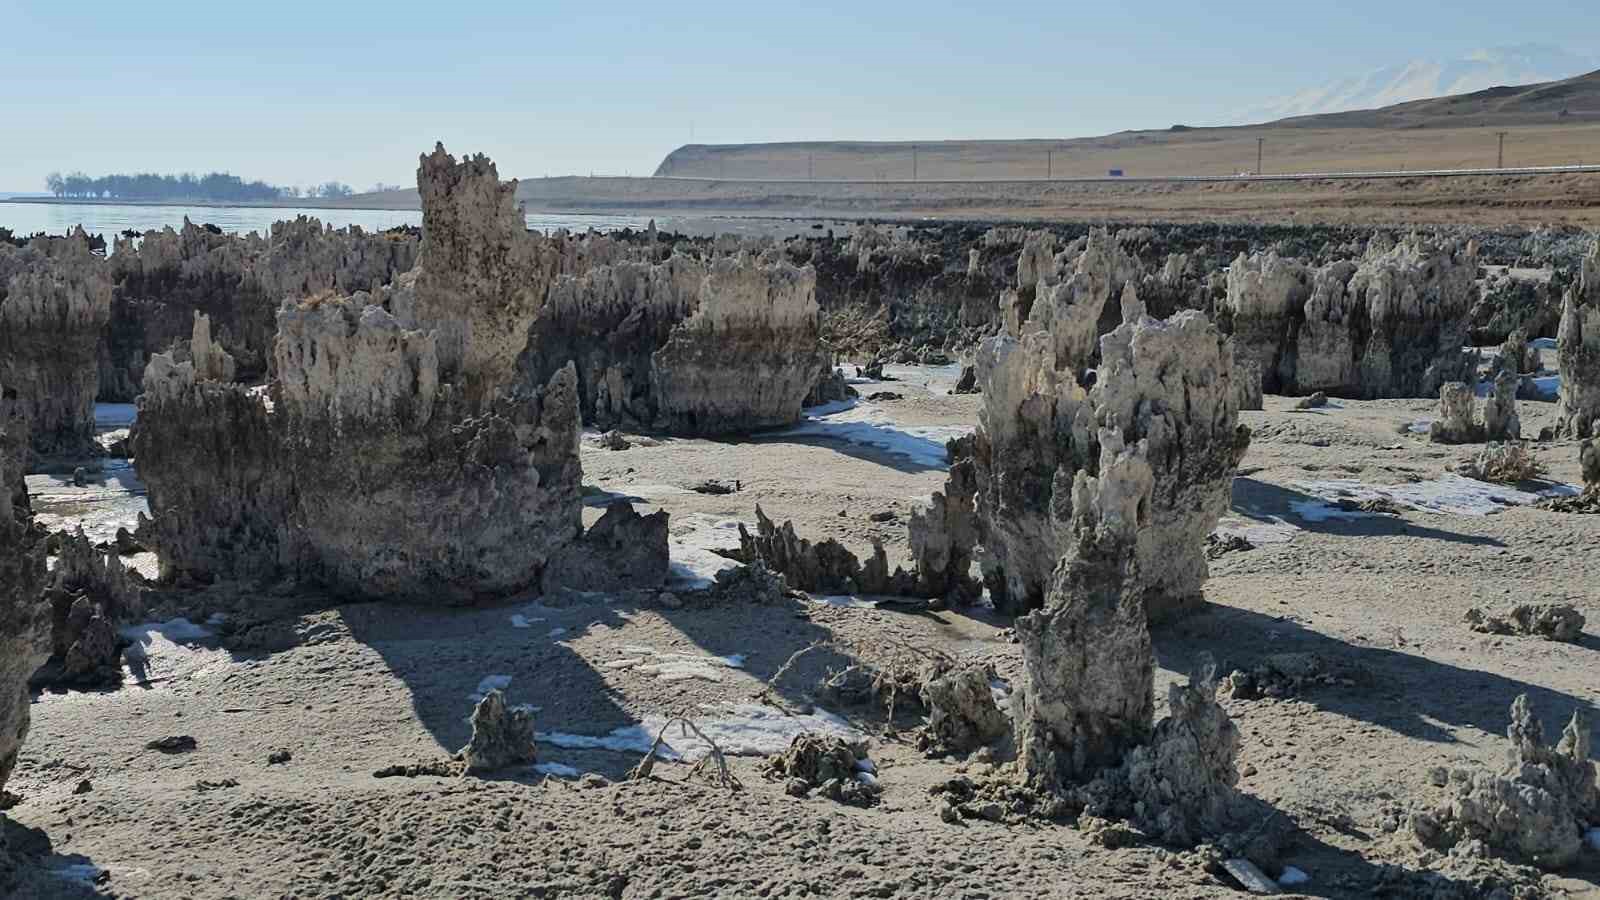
{"type": "Point", "coordinates": [296, 93]}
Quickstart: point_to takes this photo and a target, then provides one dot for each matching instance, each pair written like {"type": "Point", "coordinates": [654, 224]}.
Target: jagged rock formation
{"type": "Point", "coordinates": [1500, 419]}
{"type": "Point", "coordinates": [1578, 354]}
{"type": "Point", "coordinates": [944, 535]}
{"type": "Point", "coordinates": [1589, 462]}
{"type": "Point", "coordinates": [24, 617]}
{"type": "Point", "coordinates": [962, 715]}
{"type": "Point", "coordinates": [1551, 621]}
{"type": "Point", "coordinates": [1533, 808]}
{"type": "Point", "coordinates": [1389, 325]}
{"type": "Point", "coordinates": [1516, 355]}
{"type": "Point", "coordinates": [55, 299]}
{"type": "Point", "coordinates": [684, 346]}
{"type": "Point", "coordinates": [90, 594]}
{"type": "Point", "coordinates": [501, 737]}
{"type": "Point", "coordinates": [1169, 383]}
{"type": "Point", "coordinates": [825, 764]}
{"type": "Point", "coordinates": [1085, 699]}
{"type": "Point", "coordinates": [1456, 423]}
{"type": "Point", "coordinates": [164, 278]}
{"type": "Point", "coordinates": [392, 456]}
{"type": "Point", "coordinates": [1266, 297]}
{"type": "Point", "coordinates": [621, 552]}
{"type": "Point", "coordinates": [827, 566]}
{"type": "Point", "coordinates": [1181, 787]}
{"type": "Point", "coordinates": [1247, 385]}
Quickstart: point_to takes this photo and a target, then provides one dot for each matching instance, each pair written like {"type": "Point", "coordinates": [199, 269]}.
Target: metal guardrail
{"type": "Point", "coordinates": [1121, 179]}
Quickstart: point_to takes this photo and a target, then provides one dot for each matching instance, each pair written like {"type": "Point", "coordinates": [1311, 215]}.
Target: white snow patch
{"type": "Point", "coordinates": [169, 650]}
{"type": "Point", "coordinates": [742, 729]}
{"type": "Point", "coordinates": [869, 425]}
{"type": "Point", "coordinates": [867, 778]}
{"type": "Point", "coordinates": [669, 666]}
{"type": "Point", "coordinates": [690, 543]}
{"type": "Point", "coordinates": [845, 601]}
{"type": "Point", "coordinates": [557, 632]}
{"type": "Point", "coordinates": [1543, 343]}
{"type": "Point", "coordinates": [1448, 494]}
{"type": "Point", "coordinates": [518, 620]}
{"type": "Point", "coordinates": [1420, 426]}
{"type": "Point", "coordinates": [489, 683]}
{"type": "Point", "coordinates": [561, 770]}
{"type": "Point", "coordinates": [1292, 876]}
{"type": "Point", "coordinates": [1317, 511]}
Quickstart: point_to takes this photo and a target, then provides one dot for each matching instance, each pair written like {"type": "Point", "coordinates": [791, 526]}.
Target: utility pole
{"type": "Point", "coordinates": [913, 162]}
{"type": "Point", "coordinates": [1258, 154]}
{"type": "Point", "coordinates": [811, 167]}
{"type": "Point", "coordinates": [1501, 164]}
{"type": "Point", "coordinates": [1049, 164]}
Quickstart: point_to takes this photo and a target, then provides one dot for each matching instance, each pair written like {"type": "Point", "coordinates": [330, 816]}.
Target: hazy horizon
{"type": "Point", "coordinates": [354, 92]}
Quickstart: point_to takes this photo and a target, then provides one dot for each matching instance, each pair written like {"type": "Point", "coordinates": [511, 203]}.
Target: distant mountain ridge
{"type": "Point", "coordinates": [1423, 79]}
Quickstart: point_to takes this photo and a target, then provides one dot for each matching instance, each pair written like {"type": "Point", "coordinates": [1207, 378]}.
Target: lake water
{"type": "Point", "coordinates": [109, 219]}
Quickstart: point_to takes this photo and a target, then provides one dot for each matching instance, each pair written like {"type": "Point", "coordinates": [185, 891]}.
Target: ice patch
{"type": "Point", "coordinates": [557, 632]}
{"type": "Point", "coordinates": [675, 666]}
{"type": "Point", "coordinates": [867, 778]}
{"type": "Point", "coordinates": [84, 873]}
{"type": "Point", "coordinates": [558, 769]}
{"type": "Point", "coordinates": [869, 425]}
{"type": "Point", "coordinates": [1448, 494]}
{"type": "Point", "coordinates": [175, 630]}
{"type": "Point", "coordinates": [742, 729]}
{"type": "Point", "coordinates": [1592, 838]}
{"type": "Point", "coordinates": [690, 542]}
{"type": "Point", "coordinates": [1543, 343]}
{"type": "Point", "coordinates": [518, 620]}
{"type": "Point", "coordinates": [1421, 426]}
{"type": "Point", "coordinates": [1317, 511]}
{"type": "Point", "coordinates": [1292, 876]}
{"type": "Point", "coordinates": [1258, 530]}
{"type": "Point", "coordinates": [489, 683]}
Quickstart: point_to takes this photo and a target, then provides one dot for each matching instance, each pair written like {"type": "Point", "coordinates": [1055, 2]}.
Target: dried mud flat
{"type": "Point", "coordinates": [1372, 601]}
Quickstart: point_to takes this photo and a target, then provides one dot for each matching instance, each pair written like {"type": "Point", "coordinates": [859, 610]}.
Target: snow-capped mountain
{"type": "Point", "coordinates": [1421, 79]}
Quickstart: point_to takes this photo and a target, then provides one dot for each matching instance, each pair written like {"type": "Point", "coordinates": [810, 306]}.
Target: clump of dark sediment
{"type": "Point", "coordinates": [164, 278]}
{"type": "Point", "coordinates": [395, 453]}
{"type": "Point", "coordinates": [55, 300]}
{"type": "Point", "coordinates": [1550, 621]}
{"type": "Point", "coordinates": [826, 766]}
{"type": "Point", "coordinates": [1534, 809]}
{"type": "Point", "coordinates": [686, 346]}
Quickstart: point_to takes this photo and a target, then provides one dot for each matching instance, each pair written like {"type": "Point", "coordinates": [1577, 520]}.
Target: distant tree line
{"type": "Point", "coordinates": [217, 186]}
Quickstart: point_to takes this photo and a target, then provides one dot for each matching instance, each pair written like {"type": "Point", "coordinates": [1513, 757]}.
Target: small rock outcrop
{"type": "Point", "coordinates": [1578, 354]}
{"type": "Point", "coordinates": [1551, 621]}
{"type": "Point", "coordinates": [1533, 808]}
{"type": "Point", "coordinates": [962, 713]}
{"type": "Point", "coordinates": [623, 551]}
{"type": "Point", "coordinates": [55, 300]}
{"type": "Point", "coordinates": [1457, 422]}
{"type": "Point", "coordinates": [502, 737]}
{"type": "Point", "coordinates": [393, 455]}
{"type": "Point", "coordinates": [24, 616]}
{"type": "Point", "coordinates": [1501, 422]}
{"type": "Point", "coordinates": [91, 594]}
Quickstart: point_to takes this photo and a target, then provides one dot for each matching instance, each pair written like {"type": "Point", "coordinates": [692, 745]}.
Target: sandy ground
{"type": "Point", "coordinates": [349, 689]}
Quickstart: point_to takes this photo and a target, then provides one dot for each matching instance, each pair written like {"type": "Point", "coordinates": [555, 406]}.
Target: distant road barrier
{"type": "Point", "coordinates": [1109, 179]}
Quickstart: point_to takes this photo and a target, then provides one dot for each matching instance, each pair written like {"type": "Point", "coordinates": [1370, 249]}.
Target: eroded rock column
{"type": "Point", "coordinates": [1578, 354]}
